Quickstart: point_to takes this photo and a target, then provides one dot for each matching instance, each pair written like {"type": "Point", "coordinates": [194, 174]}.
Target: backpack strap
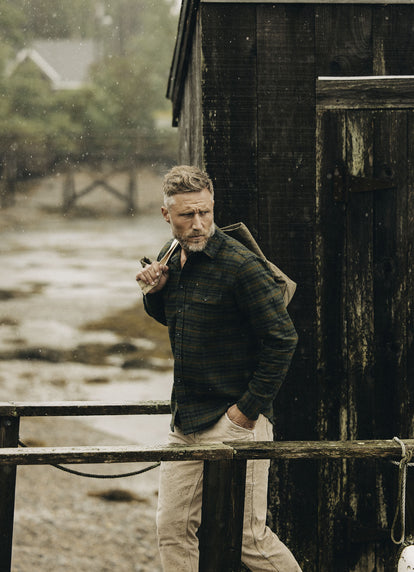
{"type": "Point", "coordinates": [240, 232]}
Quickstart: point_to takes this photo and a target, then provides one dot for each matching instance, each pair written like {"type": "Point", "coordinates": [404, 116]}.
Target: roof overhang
{"type": "Point", "coordinates": [182, 50]}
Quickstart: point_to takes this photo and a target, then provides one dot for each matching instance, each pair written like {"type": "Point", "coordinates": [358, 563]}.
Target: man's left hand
{"type": "Point", "coordinates": [239, 418]}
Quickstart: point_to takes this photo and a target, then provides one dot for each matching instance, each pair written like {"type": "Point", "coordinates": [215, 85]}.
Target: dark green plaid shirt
{"type": "Point", "coordinates": [231, 336]}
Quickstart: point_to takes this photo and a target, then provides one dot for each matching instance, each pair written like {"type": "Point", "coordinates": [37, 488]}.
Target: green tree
{"type": "Point", "coordinates": [115, 116]}
{"type": "Point", "coordinates": [35, 121]}
{"type": "Point", "coordinates": [12, 24]}
{"type": "Point", "coordinates": [130, 82]}
{"type": "Point", "coordinates": [51, 19]}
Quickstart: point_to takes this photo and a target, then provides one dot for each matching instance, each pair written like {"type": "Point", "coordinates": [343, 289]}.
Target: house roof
{"type": "Point", "coordinates": [65, 62]}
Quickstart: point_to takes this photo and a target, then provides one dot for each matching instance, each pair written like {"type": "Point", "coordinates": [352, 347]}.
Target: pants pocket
{"type": "Point", "coordinates": [234, 430]}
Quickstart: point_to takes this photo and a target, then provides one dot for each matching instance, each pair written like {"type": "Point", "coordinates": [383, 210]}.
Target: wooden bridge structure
{"type": "Point", "coordinates": [72, 191]}
{"type": "Point", "coordinates": [112, 167]}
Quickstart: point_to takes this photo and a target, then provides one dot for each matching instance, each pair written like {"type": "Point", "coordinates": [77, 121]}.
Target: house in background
{"type": "Point", "coordinates": [66, 64]}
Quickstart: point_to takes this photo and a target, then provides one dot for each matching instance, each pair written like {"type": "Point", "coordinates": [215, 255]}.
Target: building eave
{"type": "Point", "coordinates": [182, 50]}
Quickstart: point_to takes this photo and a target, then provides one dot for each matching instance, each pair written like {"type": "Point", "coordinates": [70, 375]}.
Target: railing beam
{"type": "Point", "coordinates": [113, 454]}
{"type": "Point", "coordinates": [82, 408]}
{"type": "Point", "coordinates": [356, 449]}
{"type": "Point", "coordinates": [372, 449]}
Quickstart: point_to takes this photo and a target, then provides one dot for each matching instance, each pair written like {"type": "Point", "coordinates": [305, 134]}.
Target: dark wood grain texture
{"type": "Point", "coordinates": [306, 163]}
{"type": "Point", "coordinates": [230, 110]}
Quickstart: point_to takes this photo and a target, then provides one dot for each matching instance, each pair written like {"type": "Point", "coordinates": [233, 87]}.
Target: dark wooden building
{"type": "Point", "coordinates": [303, 115]}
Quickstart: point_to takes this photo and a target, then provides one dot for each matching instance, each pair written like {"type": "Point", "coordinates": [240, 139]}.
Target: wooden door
{"type": "Point", "coordinates": [364, 258]}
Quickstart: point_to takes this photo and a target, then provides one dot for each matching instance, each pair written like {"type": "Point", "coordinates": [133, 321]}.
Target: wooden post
{"type": "Point", "coordinates": [131, 192]}
{"type": "Point", "coordinates": [8, 178]}
{"type": "Point", "coordinates": [9, 437]}
{"type": "Point", "coordinates": [69, 194]}
{"type": "Point", "coordinates": [222, 516]}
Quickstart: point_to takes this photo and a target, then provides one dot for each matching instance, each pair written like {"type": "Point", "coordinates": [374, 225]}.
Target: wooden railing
{"type": "Point", "coordinates": [224, 469]}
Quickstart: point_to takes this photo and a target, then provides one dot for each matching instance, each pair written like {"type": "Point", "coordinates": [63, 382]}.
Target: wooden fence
{"type": "Point", "coordinates": [224, 469]}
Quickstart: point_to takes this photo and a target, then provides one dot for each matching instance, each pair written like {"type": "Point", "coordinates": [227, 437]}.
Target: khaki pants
{"type": "Point", "coordinates": [179, 505]}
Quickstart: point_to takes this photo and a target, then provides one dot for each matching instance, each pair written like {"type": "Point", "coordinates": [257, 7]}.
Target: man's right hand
{"type": "Point", "coordinates": [155, 274]}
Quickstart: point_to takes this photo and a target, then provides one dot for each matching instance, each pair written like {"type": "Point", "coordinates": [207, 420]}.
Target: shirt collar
{"type": "Point", "coordinates": [214, 244]}
{"type": "Point", "coordinates": [212, 247]}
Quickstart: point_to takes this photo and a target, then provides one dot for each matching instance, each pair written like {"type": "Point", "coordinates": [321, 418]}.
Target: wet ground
{"type": "Point", "coordinates": [72, 328]}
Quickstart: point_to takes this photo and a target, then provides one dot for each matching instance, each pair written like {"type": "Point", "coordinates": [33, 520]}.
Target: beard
{"type": "Point", "coordinates": [190, 246]}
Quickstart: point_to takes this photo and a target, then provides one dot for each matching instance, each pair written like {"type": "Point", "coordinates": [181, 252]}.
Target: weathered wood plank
{"type": "Point", "coordinates": [379, 92]}
{"type": "Point", "coordinates": [359, 315]}
{"type": "Point", "coordinates": [113, 454]}
{"type": "Point", "coordinates": [406, 385]}
{"type": "Point", "coordinates": [343, 45]}
{"type": "Point", "coordinates": [286, 182]}
{"type": "Point", "coordinates": [79, 408]}
{"type": "Point", "coordinates": [230, 110]}
{"type": "Point", "coordinates": [355, 449]}
{"type": "Point", "coordinates": [390, 270]}
{"type": "Point", "coordinates": [9, 436]}
{"type": "Point", "coordinates": [190, 112]}
{"type": "Point", "coordinates": [375, 298]}
{"type": "Point", "coordinates": [393, 39]}
{"type": "Point", "coordinates": [389, 309]}
{"type": "Point", "coordinates": [330, 264]}
{"type": "Point", "coordinates": [406, 389]}
{"type": "Point", "coordinates": [221, 530]}
{"type": "Point", "coordinates": [286, 178]}
{"type": "Point", "coordinates": [285, 88]}
{"type": "Point", "coordinates": [359, 309]}
{"type": "Point", "coordinates": [331, 344]}
{"type": "Point", "coordinates": [285, 84]}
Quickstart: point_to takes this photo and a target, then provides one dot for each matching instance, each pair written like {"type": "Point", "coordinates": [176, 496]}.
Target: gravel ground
{"type": "Point", "coordinates": [63, 522]}
{"type": "Point", "coordinates": [58, 274]}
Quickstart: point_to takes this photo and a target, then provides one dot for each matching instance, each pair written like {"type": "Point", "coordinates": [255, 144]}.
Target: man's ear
{"type": "Point", "coordinates": [165, 214]}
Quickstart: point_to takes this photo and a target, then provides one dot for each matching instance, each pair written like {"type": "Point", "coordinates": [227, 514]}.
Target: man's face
{"type": "Point", "coordinates": [191, 218]}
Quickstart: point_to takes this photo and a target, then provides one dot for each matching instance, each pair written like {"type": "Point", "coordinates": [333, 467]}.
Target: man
{"type": "Point", "coordinates": [232, 341]}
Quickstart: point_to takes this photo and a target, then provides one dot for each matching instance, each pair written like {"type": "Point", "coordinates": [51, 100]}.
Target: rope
{"type": "Point", "coordinates": [96, 476]}
{"type": "Point", "coordinates": [402, 488]}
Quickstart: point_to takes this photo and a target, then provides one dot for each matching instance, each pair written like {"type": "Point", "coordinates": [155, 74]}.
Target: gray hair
{"type": "Point", "coordinates": [185, 179]}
